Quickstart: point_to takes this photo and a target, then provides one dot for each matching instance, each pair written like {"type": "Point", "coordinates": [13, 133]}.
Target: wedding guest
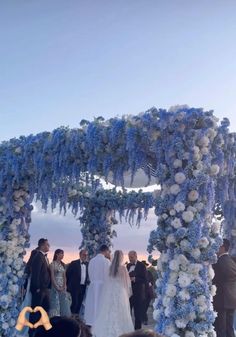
{"type": "Point", "coordinates": [98, 271]}
{"type": "Point", "coordinates": [64, 327]}
{"type": "Point", "coordinates": [142, 333]}
{"type": "Point", "coordinates": [138, 276]}
{"type": "Point", "coordinates": [149, 293]}
{"type": "Point", "coordinates": [77, 280]}
{"type": "Point", "coordinates": [59, 302]}
{"type": "Point", "coordinates": [40, 281]}
{"type": "Point", "coordinates": [224, 301]}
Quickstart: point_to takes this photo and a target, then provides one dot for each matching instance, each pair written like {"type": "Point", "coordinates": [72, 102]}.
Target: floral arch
{"type": "Point", "coordinates": [191, 157]}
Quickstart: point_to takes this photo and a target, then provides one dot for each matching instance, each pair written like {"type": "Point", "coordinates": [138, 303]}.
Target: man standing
{"type": "Point", "coordinates": [77, 280]}
{"type": "Point", "coordinates": [224, 301]}
{"type": "Point", "coordinates": [98, 271]}
{"type": "Point", "coordinates": [138, 276]}
{"type": "Point", "coordinates": [40, 280]}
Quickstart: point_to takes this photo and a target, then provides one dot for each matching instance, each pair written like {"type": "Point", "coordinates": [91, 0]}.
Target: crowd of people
{"type": "Point", "coordinates": [102, 292]}
{"type": "Point", "coordinates": [97, 297]}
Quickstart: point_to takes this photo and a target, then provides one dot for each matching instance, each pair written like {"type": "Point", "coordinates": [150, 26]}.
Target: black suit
{"type": "Point", "coordinates": [74, 286]}
{"type": "Point", "coordinates": [137, 300]}
{"type": "Point", "coordinates": [224, 301]}
{"type": "Point", "coordinates": [39, 285]}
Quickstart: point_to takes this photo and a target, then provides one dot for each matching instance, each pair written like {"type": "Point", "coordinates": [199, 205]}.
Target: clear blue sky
{"type": "Point", "coordinates": [63, 61]}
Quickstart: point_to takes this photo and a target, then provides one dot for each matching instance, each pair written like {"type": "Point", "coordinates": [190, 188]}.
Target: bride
{"type": "Point", "coordinates": [114, 318]}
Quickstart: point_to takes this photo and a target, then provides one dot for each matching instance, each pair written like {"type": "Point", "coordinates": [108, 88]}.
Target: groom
{"type": "Point", "coordinates": [98, 271]}
{"type": "Point", "coordinates": [138, 276]}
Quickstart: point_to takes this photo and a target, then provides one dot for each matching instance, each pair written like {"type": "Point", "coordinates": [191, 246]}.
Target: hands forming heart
{"type": "Point", "coordinates": [22, 321]}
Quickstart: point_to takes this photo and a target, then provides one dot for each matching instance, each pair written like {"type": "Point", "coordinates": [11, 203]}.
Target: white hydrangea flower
{"type": "Point", "coordinates": [174, 189]}
{"type": "Point", "coordinates": [180, 178]}
{"type": "Point", "coordinates": [191, 209]}
{"type": "Point", "coordinates": [184, 280]}
{"type": "Point", "coordinates": [169, 330]}
{"type": "Point", "coordinates": [195, 268]}
{"type": "Point", "coordinates": [189, 334]}
{"type": "Point", "coordinates": [173, 278]}
{"type": "Point", "coordinates": [205, 150]}
{"type": "Point", "coordinates": [184, 244]}
{"type": "Point", "coordinates": [204, 141]}
{"type": "Point", "coordinates": [213, 290]}
{"type": "Point", "coordinates": [211, 272]}
{"type": "Point", "coordinates": [184, 295]}
{"type": "Point", "coordinates": [183, 260]}
{"type": "Point", "coordinates": [177, 163]}
{"type": "Point", "coordinates": [171, 290]}
{"type": "Point", "coordinates": [215, 169]}
{"type": "Point", "coordinates": [187, 216]}
{"type": "Point", "coordinates": [174, 265]}
{"type": "Point", "coordinates": [181, 323]}
{"type": "Point", "coordinates": [172, 212]}
{"type": "Point", "coordinates": [166, 301]}
{"type": "Point", "coordinates": [176, 223]}
{"type": "Point", "coordinates": [179, 206]}
{"type": "Point", "coordinates": [170, 239]}
{"type": "Point", "coordinates": [156, 314]}
{"type": "Point", "coordinates": [203, 242]}
{"type": "Point", "coordinates": [164, 216]}
{"type": "Point", "coordinates": [193, 195]}
{"type": "Point", "coordinates": [167, 312]}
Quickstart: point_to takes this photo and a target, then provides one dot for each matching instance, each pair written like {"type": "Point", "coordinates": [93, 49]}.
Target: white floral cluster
{"type": "Point", "coordinates": [11, 262]}
{"type": "Point", "coordinates": [186, 268]}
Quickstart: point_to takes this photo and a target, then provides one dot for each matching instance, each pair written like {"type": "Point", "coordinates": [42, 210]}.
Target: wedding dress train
{"type": "Point", "coordinates": [114, 318]}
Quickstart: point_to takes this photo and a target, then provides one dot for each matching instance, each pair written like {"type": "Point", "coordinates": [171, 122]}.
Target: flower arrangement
{"type": "Point", "coordinates": [191, 156]}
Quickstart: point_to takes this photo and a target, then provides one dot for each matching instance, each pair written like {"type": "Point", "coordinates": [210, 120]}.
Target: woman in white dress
{"type": "Point", "coordinates": [114, 318]}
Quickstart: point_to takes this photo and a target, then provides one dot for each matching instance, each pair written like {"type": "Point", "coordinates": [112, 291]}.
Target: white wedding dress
{"type": "Point", "coordinates": [114, 318]}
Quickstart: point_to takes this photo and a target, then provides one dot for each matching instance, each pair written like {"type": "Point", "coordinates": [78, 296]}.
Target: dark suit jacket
{"type": "Point", "coordinates": [40, 273]}
{"type": "Point", "coordinates": [73, 275]}
{"type": "Point", "coordinates": [140, 274]}
{"type": "Point", "coordinates": [30, 261]}
{"type": "Point", "coordinates": [225, 281]}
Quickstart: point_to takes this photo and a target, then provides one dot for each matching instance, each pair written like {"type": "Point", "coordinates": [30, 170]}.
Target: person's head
{"type": "Point", "coordinates": [116, 262]}
{"type": "Point", "coordinates": [63, 327]}
{"type": "Point", "coordinates": [58, 255]}
{"type": "Point", "coordinates": [83, 255]}
{"type": "Point", "coordinates": [105, 250]}
{"type": "Point", "coordinates": [142, 333]}
{"type": "Point", "coordinates": [132, 256]}
{"type": "Point", "coordinates": [43, 245]}
{"type": "Point", "coordinates": [224, 248]}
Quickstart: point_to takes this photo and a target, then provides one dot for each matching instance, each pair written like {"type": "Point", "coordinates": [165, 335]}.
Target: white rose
{"type": "Point", "coordinates": [176, 223]}
{"type": "Point", "coordinates": [170, 239]}
{"type": "Point", "coordinates": [177, 163]}
{"type": "Point", "coordinates": [189, 334]}
{"type": "Point", "coordinates": [184, 295]}
{"type": "Point", "coordinates": [193, 195]}
{"type": "Point", "coordinates": [203, 242]}
{"type": "Point", "coordinates": [184, 244]}
{"type": "Point", "coordinates": [181, 323]}
{"type": "Point", "coordinates": [215, 169]}
{"type": "Point", "coordinates": [187, 216]}
{"type": "Point", "coordinates": [169, 330]}
{"type": "Point", "coordinates": [184, 280]}
{"type": "Point", "coordinates": [179, 206]}
{"type": "Point", "coordinates": [174, 265]}
{"type": "Point", "coordinates": [174, 189]}
{"type": "Point", "coordinates": [213, 290]}
{"type": "Point", "coordinates": [172, 212]}
{"type": "Point", "coordinates": [180, 178]}
{"type": "Point", "coordinates": [164, 216]}
{"type": "Point", "coordinates": [204, 141]}
{"type": "Point", "coordinates": [205, 150]}
{"type": "Point", "coordinates": [171, 290]}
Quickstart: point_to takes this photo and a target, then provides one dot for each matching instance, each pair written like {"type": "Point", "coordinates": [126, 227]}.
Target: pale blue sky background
{"type": "Point", "coordinates": [62, 61]}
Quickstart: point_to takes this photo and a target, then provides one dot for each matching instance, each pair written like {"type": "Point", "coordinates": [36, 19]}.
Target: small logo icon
{"type": "Point", "coordinates": [43, 320]}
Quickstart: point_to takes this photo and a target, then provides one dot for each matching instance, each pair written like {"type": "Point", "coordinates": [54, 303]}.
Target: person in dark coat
{"type": "Point", "coordinates": [138, 276]}
{"type": "Point", "coordinates": [224, 301]}
{"type": "Point", "coordinates": [149, 293]}
{"type": "Point", "coordinates": [40, 281]}
{"type": "Point", "coordinates": [77, 280]}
